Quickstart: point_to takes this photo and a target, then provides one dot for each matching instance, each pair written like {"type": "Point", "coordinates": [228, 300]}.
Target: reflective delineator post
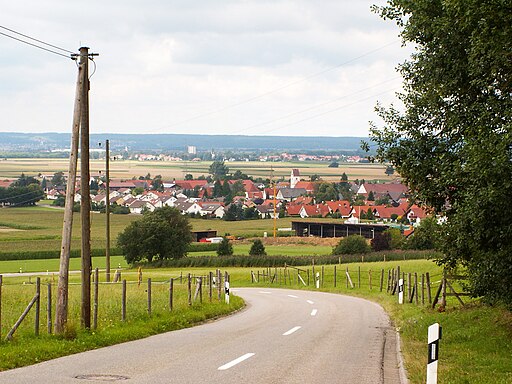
{"type": "Point", "coordinates": [226, 291]}
{"type": "Point", "coordinates": [401, 291]}
{"type": "Point", "coordinates": [434, 335]}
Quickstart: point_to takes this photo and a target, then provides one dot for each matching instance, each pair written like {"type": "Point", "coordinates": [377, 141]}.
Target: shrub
{"type": "Point", "coordinates": [225, 248]}
{"type": "Point", "coordinates": [381, 241]}
{"type": "Point", "coordinates": [351, 245]}
{"type": "Point", "coordinates": [257, 248]}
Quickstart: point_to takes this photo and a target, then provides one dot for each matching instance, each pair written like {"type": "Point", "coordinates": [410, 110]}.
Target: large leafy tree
{"type": "Point", "coordinates": [218, 169]}
{"type": "Point", "coordinates": [452, 143]}
{"type": "Point", "coordinates": [161, 234]}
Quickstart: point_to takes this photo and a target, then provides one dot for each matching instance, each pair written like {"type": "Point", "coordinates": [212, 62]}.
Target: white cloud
{"type": "Point", "coordinates": [251, 67]}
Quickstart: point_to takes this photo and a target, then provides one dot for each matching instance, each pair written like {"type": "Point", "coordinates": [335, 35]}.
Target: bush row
{"type": "Point", "coordinates": [280, 261]}
{"type": "Point", "coordinates": [75, 253]}
{"type": "Point", "coordinates": [32, 255]}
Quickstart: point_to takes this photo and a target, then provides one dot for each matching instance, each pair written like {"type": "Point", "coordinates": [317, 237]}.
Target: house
{"type": "Point", "coordinates": [266, 211]}
{"type": "Point", "coordinates": [293, 209]}
{"type": "Point", "coordinates": [309, 186]}
{"type": "Point", "coordinates": [317, 210]}
{"type": "Point", "coordinates": [290, 194]}
{"type": "Point", "coordinates": [341, 207]}
{"type": "Point", "coordinates": [139, 206]}
{"type": "Point", "coordinates": [212, 209]}
{"type": "Point", "coordinates": [415, 214]}
{"type": "Point", "coordinates": [54, 194]}
{"type": "Point", "coordinates": [117, 185]}
{"type": "Point", "coordinates": [395, 191]}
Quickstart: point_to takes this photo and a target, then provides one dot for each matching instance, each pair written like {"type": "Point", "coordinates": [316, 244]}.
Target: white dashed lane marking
{"type": "Point", "coordinates": [314, 312]}
{"type": "Point", "coordinates": [235, 362]}
{"type": "Point", "coordinates": [293, 330]}
{"type": "Point", "coordinates": [310, 302]}
{"type": "Point", "coordinates": [293, 296]}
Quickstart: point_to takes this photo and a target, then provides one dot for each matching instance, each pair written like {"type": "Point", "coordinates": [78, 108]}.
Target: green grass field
{"type": "Point", "coordinates": [476, 345]}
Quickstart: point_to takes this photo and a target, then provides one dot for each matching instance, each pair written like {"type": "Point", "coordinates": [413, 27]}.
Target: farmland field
{"type": "Point", "coordinates": [126, 169]}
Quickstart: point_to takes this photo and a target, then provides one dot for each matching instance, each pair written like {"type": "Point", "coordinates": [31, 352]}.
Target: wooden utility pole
{"type": "Point", "coordinates": [61, 310]}
{"type": "Point", "coordinates": [85, 201]}
{"type": "Point", "coordinates": [107, 211]}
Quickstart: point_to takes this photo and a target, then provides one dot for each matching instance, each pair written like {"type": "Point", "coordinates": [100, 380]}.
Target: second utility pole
{"type": "Point", "coordinates": [107, 211]}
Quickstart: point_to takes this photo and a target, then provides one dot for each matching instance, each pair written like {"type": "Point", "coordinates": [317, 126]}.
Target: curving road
{"type": "Point", "coordinates": [284, 336]}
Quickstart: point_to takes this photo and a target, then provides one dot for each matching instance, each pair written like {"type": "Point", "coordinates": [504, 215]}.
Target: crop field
{"type": "Point", "coordinates": [126, 169]}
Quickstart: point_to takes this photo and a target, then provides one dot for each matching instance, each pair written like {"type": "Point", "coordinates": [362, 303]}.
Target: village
{"type": "Point", "coordinates": [247, 199]}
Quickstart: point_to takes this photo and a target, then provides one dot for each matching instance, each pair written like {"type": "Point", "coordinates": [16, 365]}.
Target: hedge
{"type": "Point", "coordinates": [280, 261]}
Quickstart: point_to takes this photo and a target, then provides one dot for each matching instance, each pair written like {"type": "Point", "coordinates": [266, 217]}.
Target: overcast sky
{"type": "Point", "coordinates": [250, 67]}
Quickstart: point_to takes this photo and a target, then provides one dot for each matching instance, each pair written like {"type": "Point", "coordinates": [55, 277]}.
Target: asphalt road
{"type": "Point", "coordinates": [283, 336]}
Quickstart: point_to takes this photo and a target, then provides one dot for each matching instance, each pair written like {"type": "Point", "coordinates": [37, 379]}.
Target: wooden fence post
{"type": "Point", "coordinates": [389, 280]}
{"type": "Point", "coordinates": [429, 293]}
{"type": "Point", "coordinates": [409, 286]}
{"type": "Point", "coordinates": [95, 305]}
{"type": "Point", "coordinates": [48, 308]}
{"type": "Point", "coordinates": [38, 305]}
{"type": "Point", "coordinates": [149, 296]}
{"type": "Point", "coordinates": [123, 301]}
{"type": "Point", "coordinates": [201, 290]}
{"type": "Point", "coordinates": [359, 277]}
{"type": "Point", "coordinates": [370, 279]}
{"type": "Point", "coordinates": [416, 287]}
{"type": "Point", "coordinates": [23, 315]}
{"type": "Point", "coordinates": [381, 279]}
{"type": "Point", "coordinates": [349, 280]}
{"type": "Point", "coordinates": [171, 292]}
{"type": "Point", "coordinates": [334, 276]}
{"type": "Point", "coordinates": [322, 279]}
{"type": "Point", "coordinates": [423, 289]}
{"type": "Point", "coordinates": [189, 286]}
{"type": "Point", "coordinates": [210, 279]}
{"type": "Point", "coordinates": [219, 284]}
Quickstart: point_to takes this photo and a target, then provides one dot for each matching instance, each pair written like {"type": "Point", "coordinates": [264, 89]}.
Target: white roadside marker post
{"type": "Point", "coordinates": [226, 291]}
{"type": "Point", "coordinates": [434, 335]}
{"type": "Point", "coordinates": [401, 291]}
{"type": "Point", "coordinates": [318, 280]}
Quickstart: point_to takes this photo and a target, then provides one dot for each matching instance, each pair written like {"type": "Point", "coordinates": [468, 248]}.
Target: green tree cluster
{"type": "Point", "coordinates": [257, 248]}
{"type": "Point", "coordinates": [162, 234]}
{"type": "Point", "coordinates": [452, 144]}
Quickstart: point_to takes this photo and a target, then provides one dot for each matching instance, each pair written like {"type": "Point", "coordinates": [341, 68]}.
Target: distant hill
{"type": "Point", "coordinates": [161, 142]}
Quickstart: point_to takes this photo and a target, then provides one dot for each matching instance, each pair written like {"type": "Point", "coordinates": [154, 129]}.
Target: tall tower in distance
{"type": "Point", "coordinates": [294, 177]}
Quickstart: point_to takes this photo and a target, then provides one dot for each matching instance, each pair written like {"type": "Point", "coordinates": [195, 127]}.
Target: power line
{"type": "Point", "coordinates": [329, 111]}
{"type": "Point", "coordinates": [39, 41]}
{"type": "Point", "coordinates": [284, 86]}
{"type": "Point", "coordinates": [37, 46]}
{"type": "Point", "coordinates": [317, 106]}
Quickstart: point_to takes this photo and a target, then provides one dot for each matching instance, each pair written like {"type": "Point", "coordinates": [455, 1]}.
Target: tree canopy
{"type": "Point", "coordinates": [452, 144]}
{"type": "Point", "coordinates": [218, 169]}
{"type": "Point", "coordinates": [162, 234]}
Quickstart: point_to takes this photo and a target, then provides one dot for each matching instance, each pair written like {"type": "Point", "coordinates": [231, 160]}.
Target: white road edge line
{"type": "Point", "coordinates": [294, 329]}
{"type": "Point", "coordinates": [295, 297]}
{"type": "Point", "coordinates": [235, 362]}
{"type": "Point", "coordinates": [267, 293]}
{"type": "Point", "coordinates": [314, 312]}
{"type": "Point", "coordinates": [310, 302]}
